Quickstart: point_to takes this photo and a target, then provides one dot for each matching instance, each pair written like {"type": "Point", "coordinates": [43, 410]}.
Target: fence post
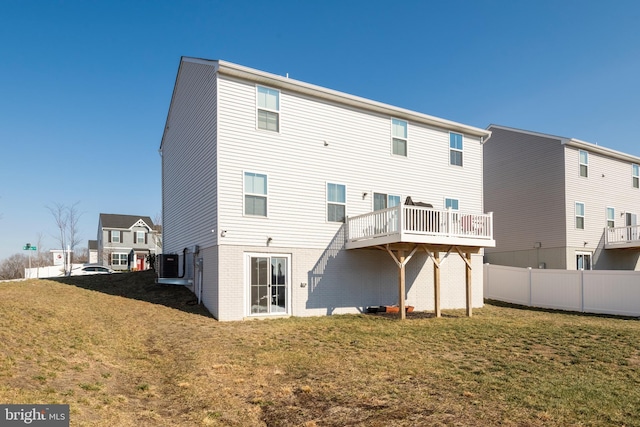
{"type": "Point", "coordinates": [582, 291]}
{"type": "Point", "coordinates": [530, 286]}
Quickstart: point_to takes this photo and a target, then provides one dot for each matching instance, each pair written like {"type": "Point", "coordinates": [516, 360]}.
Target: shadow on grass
{"type": "Point", "coordinates": [551, 310]}
{"type": "Point", "coordinates": [139, 285]}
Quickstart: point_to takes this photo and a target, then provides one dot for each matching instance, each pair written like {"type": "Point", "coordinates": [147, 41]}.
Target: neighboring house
{"type": "Point", "coordinates": [93, 251]}
{"type": "Point", "coordinates": [560, 202]}
{"type": "Point", "coordinates": [285, 198]}
{"type": "Point", "coordinates": [125, 241]}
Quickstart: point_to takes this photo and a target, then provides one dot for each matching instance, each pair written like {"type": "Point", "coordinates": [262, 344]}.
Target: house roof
{"type": "Point", "coordinates": [572, 142]}
{"type": "Point", "coordinates": [286, 83]}
{"type": "Point", "coordinates": [123, 221]}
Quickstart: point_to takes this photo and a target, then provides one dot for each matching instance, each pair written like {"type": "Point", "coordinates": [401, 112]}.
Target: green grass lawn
{"type": "Point", "coordinates": [122, 351]}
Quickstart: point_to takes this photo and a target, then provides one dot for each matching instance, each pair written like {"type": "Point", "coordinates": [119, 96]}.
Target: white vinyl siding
{"type": "Point", "coordinates": [352, 144]}
{"type": "Point", "coordinates": [580, 216]}
{"type": "Point", "coordinates": [455, 149]}
{"type": "Point", "coordinates": [268, 101]}
{"type": "Point", "coordinates": [189, 170]}
{"type": "Point", "coordinates": [255, 194]}
{"type": "Point", "coordinates": [635, 175]}
{"type": "Point", "coordinates": [584, 163]}
{"type": "Point", "coordinates": [399, 137]}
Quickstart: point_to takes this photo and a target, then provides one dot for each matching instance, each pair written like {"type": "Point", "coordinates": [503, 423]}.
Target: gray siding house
{"type": "Point", "coordinates": [561, 202]}
{"type": "Point", "coordinates": [283, 198]}
{"type": "Point", "coordinates": [125, 241]}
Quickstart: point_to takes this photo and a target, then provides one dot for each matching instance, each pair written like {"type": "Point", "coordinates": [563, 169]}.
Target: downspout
{"type": "Point", "coordinates": [184, 263]}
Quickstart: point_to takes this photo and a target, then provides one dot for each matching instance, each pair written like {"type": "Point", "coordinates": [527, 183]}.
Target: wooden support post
{"type": "Point", "coordinates": [468, 276]}
{"type": "Point", "coordinates": [401, 284]}
{"type": "Point", "coordinates": [436, 283]}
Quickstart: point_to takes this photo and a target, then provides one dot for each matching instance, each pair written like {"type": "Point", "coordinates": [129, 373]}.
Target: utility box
{"type": "Point", "coordinates": [169, 264]}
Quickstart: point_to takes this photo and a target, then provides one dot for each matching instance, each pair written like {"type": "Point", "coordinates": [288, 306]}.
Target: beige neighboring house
{"type": "Point", "coordinates": [560, 202]}
{"type": "Point", "coordinates": [125, 241]}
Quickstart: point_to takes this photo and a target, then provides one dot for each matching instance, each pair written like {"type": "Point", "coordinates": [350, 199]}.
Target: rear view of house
{"type": "Point", "coordinates": [561, 202]}
{"type": "Point", "coordinates": [285, 198]}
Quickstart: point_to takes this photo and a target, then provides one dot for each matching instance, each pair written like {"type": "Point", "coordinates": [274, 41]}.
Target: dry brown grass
{"type": "Point", "coordinates": [122, 351]}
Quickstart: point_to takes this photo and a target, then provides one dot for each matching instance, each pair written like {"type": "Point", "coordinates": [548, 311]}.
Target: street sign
{"type": "Point", "coordinates": [29, 248]}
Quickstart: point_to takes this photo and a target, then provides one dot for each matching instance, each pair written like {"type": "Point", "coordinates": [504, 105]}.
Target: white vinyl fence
{"type": "Point", "coordinates": [592, 291]}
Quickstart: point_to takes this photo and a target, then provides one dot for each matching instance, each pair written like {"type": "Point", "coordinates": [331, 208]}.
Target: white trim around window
{"type": "Point", "coordinates": [611, 217]}
{"type": "Point", "coordinates": [584, 163]}
{"type": "Point", "coordinates": [579, 215]}
{"type": "Point", "coordinates": [119, 258]}
{"type": "Point", "coordinates": [399, 137]}
{"type": "Point", "coordinates": [255, 194]}
{"type": "Point", "coordinates": [336, 197]}
{"type": "Point", "coordinates": [456, 141]}
{"type": "Point", "coordinates": [635, 175]}
{"type": "Point", "coordinates": [267, 109]}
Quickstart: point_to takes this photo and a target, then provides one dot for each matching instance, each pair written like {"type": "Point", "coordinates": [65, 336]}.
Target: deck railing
{"type": "Point", "coordinates": [419, 220]}
{"type": "Point", "coordinates": [621, 235]}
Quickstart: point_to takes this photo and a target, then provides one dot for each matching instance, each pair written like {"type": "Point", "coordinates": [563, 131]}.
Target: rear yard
{"type": "Point", "coordinates": [122, 351]}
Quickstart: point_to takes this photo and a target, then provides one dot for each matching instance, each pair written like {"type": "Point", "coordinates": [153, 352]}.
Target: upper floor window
{"type": "Point", "coordinates": [255, 194]}
{"type": "Point", "coordinates": [611, 217]}
{"type": "Point", "coordinates": [399, 137]}
{"type": "Point", "coordinates": [336, 202]}
{"type": "Point", "coordinates": [114, 236]}
{"type": "Point", "coordinates": [584, 163]}
{"type": "Point", "coordinates": [141, 237]}
{"type": "Point", "coordinates": [451, 204]}
{"type": "Point", "coordinates": [268, 109]}
{"type": "Point", "coordinates": [580, 215]}
{"type": "Point", "coordinates": [455, 149]}
{"type": "Point", "coordinates": [636, 175]}
{"type": "Point", "coordinates": [383, 201]}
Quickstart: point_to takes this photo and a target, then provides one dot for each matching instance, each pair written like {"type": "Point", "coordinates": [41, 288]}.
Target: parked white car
{"type": "Point", "coordinates": [88, 269]}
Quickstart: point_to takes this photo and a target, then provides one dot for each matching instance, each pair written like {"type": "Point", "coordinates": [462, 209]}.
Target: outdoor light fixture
{"type": "Point", "coordinates": [223, 233]}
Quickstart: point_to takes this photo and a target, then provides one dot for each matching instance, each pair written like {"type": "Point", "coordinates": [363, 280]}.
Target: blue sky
{"type": "Point", "coordinates": [85, 86]}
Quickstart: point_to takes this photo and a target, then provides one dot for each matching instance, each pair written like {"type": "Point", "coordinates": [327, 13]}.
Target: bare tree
{"type": "Point", "coordinates": [13, 267]}
{"type": "Point", "coordinates": [66, 218]}
{"type": "Point", "coordinates": [82, 256]}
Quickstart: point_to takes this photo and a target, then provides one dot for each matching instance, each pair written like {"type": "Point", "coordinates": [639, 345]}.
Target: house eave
{"type": "Point", "coordinates": [286, 83]}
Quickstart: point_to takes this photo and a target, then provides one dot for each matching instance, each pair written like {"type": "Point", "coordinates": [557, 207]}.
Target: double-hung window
{"type": "Point", "coordinates": [611, 217]}
{"type": "Point", "coordinates": [584, 163]}
{"type": "Point", "coordinates": [336, 202]}
{"type": "Point", "coordinates": [455, 149]}
{"type": "Point", "coordinates": [268, 108]}
{"type": "Point", "coordinates": [635, 172]}
{"type": "Point", "coordinates": [580, 215]}
{"type": "Point", "coordinates": [255, 194]}
{"type": "Point", "coordinates": [115, 236]}
{"type": "Point", "coordinates": [140, 237]}
{"type": "Point", "coordinates": [399, 137]}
